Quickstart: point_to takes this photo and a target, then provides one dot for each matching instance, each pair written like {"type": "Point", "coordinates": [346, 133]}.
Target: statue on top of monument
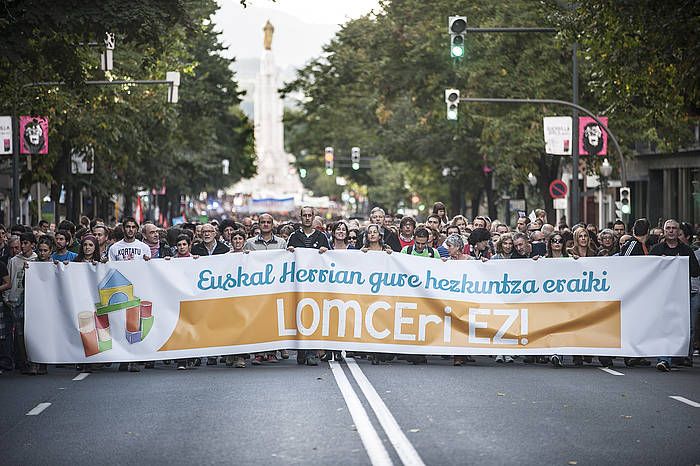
{"type": "Point", "coordinates": [269, 30]}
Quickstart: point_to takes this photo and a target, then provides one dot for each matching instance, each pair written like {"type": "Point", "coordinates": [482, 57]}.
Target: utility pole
{"type": "Point", "coordinates": [575, 192]}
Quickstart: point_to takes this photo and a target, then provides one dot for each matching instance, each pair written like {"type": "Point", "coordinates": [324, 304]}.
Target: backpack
{"type": "Point", "coordinates": [431, 251]}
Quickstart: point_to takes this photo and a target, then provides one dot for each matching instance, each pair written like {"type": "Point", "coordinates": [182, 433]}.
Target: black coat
{"type": "Point", "coordinates": [200, 249]}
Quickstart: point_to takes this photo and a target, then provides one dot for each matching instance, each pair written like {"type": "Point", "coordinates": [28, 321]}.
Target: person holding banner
{"type": "Point", "coordinates": [129, 248]}
{"type": "Point", "coordinates": [307, 237]}
{"type": "Point", "coordinates": [455, 248]}
{"type": "Point", "coordinates": [14, 298]}
{"type": "Point", "coordinates": [673, 247]}
{"type": "Point", "coordinates": [210, 246]}
{"type": "Point", "coordinates": [374, 240]}
{"type": "Point", "coordinates": [339, 236]}
{"type": "Point", "coordinates": [264, 241]}
{"type": "Point", "coordinates": [582, 245]}
{"type": "Point", "coordinates": [183, 244]}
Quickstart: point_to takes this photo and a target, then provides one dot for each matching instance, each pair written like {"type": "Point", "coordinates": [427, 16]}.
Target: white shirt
{"type": "Point", "coordinates": [123, 251]}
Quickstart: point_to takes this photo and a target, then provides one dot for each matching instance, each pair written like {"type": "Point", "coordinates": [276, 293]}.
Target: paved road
{"type": "Point", "coordinates": [354, 413]}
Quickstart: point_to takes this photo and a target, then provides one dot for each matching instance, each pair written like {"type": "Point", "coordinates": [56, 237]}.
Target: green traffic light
{"type": "Point", "coordinates": [457, 51]}
{"type": "Point", "coordinates": [355, 166]}
{"type": "Point", "coordinates": [329, 171]}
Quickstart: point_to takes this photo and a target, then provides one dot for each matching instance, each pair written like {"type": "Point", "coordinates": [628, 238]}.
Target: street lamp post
{"type": "Point", "coordinates": [605, 172]}
{"type": "Point", "coordinates": [532, 179]}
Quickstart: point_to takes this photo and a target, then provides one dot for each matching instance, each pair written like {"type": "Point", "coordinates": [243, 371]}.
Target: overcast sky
{"type": "Point", "coordinates": [302, 27]}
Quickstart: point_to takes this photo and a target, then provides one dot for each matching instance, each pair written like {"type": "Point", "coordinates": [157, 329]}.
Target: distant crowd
{"type": "Point", "coordinates": [439, 237]}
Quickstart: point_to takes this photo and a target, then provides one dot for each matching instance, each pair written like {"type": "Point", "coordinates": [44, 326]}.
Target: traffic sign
{"type": "Point", "coordinates": [558, 189]}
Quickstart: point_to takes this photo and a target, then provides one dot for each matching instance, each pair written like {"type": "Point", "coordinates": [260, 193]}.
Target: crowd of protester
{"type": "Point", "coordinates": [438, 237]}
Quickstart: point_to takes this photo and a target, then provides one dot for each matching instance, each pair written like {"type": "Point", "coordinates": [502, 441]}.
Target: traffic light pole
{"type": "Point", "coordinates": [623, 170]}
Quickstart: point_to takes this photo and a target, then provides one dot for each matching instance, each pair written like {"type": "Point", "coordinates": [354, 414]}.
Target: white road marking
{"type": "Point", "coordinates": [409, 456]}
{"type": "Point", "coordinates": [692, 403]}
{"type": "Point", "coordinates": [81, 376]}
{"type": "Point", "coordinates": [38, 409]}
{"type": "Point", "coordinates": [610, 371]}
{"type": "Point", "coordinates": [378, 454]}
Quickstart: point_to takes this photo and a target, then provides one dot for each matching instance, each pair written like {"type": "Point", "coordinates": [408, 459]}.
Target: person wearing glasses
{"type": "Point", "coordinates": [210, 246]}
{"type": "Point", "coordinates": [352, 238]}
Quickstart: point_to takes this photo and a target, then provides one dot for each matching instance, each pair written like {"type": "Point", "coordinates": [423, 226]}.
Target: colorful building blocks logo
{"type": "Point", "coordinates": [116, 293]}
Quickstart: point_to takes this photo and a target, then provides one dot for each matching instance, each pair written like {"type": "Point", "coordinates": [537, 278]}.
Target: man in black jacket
{"type": "Point", "coordinates": [307, 237]}
{"type": "Point", "coordinates": [209, 246]}
{"type": "Point", "coordinates": [673, 247]}
{"type": "Point", "coordinates": [637, 246]}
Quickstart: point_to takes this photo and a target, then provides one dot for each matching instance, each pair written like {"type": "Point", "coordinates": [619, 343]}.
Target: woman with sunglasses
{"type": "Point", "coordinates": [556, 250]}
{"type": "Point", "coordinates": [555, 247]}
{"type": "Point", "coordinates": [353, 234]}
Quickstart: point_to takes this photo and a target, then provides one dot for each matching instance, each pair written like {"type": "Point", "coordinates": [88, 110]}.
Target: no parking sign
{"type": "Point", "coordinates": [558, 189]}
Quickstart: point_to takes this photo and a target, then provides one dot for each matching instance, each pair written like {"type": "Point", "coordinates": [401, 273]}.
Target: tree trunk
{"type": "Point", "coordinates": [476, 201]}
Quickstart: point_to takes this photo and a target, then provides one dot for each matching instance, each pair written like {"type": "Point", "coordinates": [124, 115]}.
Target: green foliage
{"type": "Point", "coordinates": [140, 140]}
{"type": "Point", "coordinates": [380, 82]}
{"type": "Point", "coordinates": [641, 64]}
{"type": "Point", "coordinates": [380, 85]}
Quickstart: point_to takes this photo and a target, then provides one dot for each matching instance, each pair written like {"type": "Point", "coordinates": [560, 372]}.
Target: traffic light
{"type": "Point", "coordinates": [625, 200]}
{"type": "Point", "coordinates": [355, 157]}
{"type": "Point", "coordinates": [457, 26]}
{"type": "Point", "coordinates": [452, 101]}
{"type": "Point", "coordinates": [329, 160]}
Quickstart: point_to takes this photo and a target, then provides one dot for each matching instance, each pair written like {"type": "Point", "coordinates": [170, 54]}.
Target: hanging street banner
{"type": "Point", "coordinates": [5, 135]}
{"type": "Point", "coordinates": [350, 300]}
{"type": "Point", "coordinates": [557, 135]}
{"type": "Point", "coordinates": [34, 135]}
{"type": "Point", "coordinates": [592, 139]}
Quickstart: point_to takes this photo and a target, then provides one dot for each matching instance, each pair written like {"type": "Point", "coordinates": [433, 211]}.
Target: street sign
{"type": "Point", "coordinates": [34, 135]}
{"type": "Point", "coordinates": [560, 204]}
{"type": "Point", "coordinates": [557, 135]}
{"type": "Point", "coordinates": [5, 135]}
{"type": "Point", "coordinates": [558, 189]}
{"type": "Point", "coordinates": [592, 139]}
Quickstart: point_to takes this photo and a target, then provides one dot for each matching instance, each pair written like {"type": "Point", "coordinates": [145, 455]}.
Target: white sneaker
{"type": "Point", "coordinates": [509, 359]}
{"type": "Point", "coordinates": [499, 359]}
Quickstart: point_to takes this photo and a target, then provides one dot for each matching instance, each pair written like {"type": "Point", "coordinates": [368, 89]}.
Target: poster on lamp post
{"type": "Point", "coordinates": [557, 135]}
{"type": "Point", "coordinates": [5, 135]}
{"type": "Point", "coordinates": [34, 135]}
{"type": "Point", "coordinates": [592, 139]}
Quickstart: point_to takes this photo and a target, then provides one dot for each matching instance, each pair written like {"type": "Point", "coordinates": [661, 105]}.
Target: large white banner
{"type": "Point", "coordinates": [376, 302]}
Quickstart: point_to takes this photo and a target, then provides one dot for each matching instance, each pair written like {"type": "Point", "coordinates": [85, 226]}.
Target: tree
{"type": "Point", "coordinates": [382, 80]}
{"type": "Point", "coordinates": [642, 64]}
{"type": "Point", "coordinates": [140, 141]}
